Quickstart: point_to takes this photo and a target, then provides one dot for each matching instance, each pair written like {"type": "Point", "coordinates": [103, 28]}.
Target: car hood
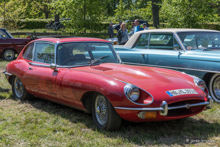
{"type": "Point", "coordinates": [154, 80]}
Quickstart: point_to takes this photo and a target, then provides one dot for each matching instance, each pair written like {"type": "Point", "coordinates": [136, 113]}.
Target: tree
{"type": "Point", "coordinates": [188, 13]}
{"type": "Point", "coordinates": [83, 14]}
{"type": "Point", "coordinates": [155, 12]}
{"type": "Point", "coordinates": [11, 12]}
{"type": "Point", "coordinates": [36, 8]}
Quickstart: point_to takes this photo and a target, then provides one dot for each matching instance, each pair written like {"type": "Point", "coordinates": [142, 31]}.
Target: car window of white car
{"type": "Point", "coordinates": [200, 40]}
{"type": "Point", "coordinates": [44, 53]}
{"type": "Point", "coordinates": [3, 34]}
{"type": "Point", "coordinates": [161, 41]}
{"type": "Point", "coordinates": [142, 42]}
{"type": "Point", "coordinates": [28, 53]}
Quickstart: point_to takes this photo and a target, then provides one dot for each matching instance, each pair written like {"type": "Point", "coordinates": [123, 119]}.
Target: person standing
{"type": "Point", "coordinates": [137, 26]}
{"type": "Point", "coordinates": [132, 29]}
{"type": "Point", "coordinates": [122, 34]}
{"type": "Point", "coordinates": [118, 26]}
{"type": "Point", "coordinates": [110, 30]}
{"type": "Point", "coordinates": [145, 26]}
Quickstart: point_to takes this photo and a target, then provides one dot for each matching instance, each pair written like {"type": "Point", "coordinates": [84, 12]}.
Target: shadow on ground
{"type": "Point", "coordinates": [177, 132]}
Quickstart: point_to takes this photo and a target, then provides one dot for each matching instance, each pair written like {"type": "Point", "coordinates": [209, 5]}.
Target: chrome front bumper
{"type": "Point", "coordinates": [6, 73]}
{"type": "Point", "coordinates": [164, 107]}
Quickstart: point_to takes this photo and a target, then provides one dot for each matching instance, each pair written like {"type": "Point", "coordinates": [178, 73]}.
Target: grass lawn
{"type": "Point", "coordinates": [41, 123]}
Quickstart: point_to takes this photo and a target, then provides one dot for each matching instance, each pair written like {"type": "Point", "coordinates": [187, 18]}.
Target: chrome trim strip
{"type": "Point", "coordinates": [6, 73]}
{"type": "Point", "coordinates": [161, 108]}
{"type": "Point", "coordinates": [177, 68]}
{"type": "Point", "coordinates": [37, 64]}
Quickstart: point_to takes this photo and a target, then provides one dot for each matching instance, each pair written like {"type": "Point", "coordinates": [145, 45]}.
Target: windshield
{"type": "Point", "coordinates": [83, 54]}
{"type": "Point", "coordinates": [200, 40]}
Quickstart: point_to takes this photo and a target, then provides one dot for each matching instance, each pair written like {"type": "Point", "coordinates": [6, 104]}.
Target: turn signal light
{"type": "Point", "coordinates": [147, 115]}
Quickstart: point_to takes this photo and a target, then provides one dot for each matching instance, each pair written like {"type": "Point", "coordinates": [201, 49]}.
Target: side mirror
{"type": "Point", "coordinates": [53, 67]}
{"type": "Point", "coordinates": [176, 47]}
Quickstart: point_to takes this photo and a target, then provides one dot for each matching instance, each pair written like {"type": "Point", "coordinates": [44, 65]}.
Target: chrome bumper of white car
{"type": "Point", "coordinates": [164, 107]}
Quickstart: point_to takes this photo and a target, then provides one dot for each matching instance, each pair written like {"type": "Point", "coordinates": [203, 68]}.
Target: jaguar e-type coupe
{"type": "Point", "coordinates": [74, 72]}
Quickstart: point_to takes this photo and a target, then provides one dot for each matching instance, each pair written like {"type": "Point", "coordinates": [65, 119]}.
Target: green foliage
{"type": "Point", "coordinates": [33, 23]}
{"type": "Point", "coordinates": [83, 14]}
{"type": "Point", "coordinates": [188, 13]}
{"type": "Point", "coordinates": [10, 11]}
{"type": "Point", "coordinates": [120, 11]}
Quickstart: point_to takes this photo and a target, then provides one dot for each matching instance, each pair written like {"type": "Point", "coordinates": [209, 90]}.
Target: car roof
{"type": "Point", "coordinates": [74, 39]}
{"type": "Point", "coordinates": [176, 30]}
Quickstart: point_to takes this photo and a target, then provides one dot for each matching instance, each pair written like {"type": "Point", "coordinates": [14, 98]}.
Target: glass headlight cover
{"type": "Point", "coordinates": [132, 92]}
{"type": "Point", "coordinates": [200, 83]}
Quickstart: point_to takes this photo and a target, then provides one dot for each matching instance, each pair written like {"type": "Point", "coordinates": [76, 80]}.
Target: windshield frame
{"type": "Point", "coordinates": [117, 57]}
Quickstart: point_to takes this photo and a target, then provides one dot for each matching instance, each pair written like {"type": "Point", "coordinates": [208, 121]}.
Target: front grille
{"type": "Point", "coordinates": [184, 111]}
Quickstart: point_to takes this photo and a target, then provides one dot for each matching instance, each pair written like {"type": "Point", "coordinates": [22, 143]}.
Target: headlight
{"type": "Point", "coordinates": [200, 83]}
{"type": "Point", "coordinates": [132, 92]}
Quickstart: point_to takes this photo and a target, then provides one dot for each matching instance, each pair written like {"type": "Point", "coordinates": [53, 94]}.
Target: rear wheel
{"type": "Point", "coordinates": [214, 87]}
{"type": "Point", "coordinates": [19, 92]}
{"type": "Point", "coordinates": [9, 54]}
{"type": "Point", "coordinates": [104, 115]}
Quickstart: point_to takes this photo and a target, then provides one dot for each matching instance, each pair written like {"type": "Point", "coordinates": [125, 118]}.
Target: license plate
{"type": "Point", "coordinates": [177, 92]}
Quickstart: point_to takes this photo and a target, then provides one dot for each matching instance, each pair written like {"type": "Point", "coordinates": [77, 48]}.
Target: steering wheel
{"type": "Point", "coordinates": [67, 60]}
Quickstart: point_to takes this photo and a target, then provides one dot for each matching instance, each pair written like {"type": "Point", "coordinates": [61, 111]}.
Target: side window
{"type": "Point", "coordinates": [143, 41]}
{"type": "Point", "coordinates": [44, 53]}
{"type": "Point", "coordinates": [3, 34]}
{"type": "Point", "coordinates": [161, 41]}
{"type": "Point", "coordinates": [28, 53]}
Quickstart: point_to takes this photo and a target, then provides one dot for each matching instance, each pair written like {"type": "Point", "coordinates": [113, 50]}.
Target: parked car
{"type": "Point", "coordinates": [10, 46]}
{"type": "Point", "coordinates": [76, 73]}
{"type": "Point", "coordinates": [194, 51]}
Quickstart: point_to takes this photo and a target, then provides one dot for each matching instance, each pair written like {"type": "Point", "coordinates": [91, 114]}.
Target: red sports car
{"type": "Point", "coordinates": [76, 73]}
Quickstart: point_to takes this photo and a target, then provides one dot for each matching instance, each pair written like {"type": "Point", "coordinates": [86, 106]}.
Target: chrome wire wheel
{"type": "Point", "coordinates": [18, 88]}
{"type": "Point", "coordinates": [214, 87]}
{"type": "Point", "coordinates": [101, 110]}
{"type": "Point", "coordinates": [9, 54]}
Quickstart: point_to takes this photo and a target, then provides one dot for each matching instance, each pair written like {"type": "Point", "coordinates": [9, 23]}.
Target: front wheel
{"type": "Point", "coordinates": [214, 87]}
{"type": "Point", "coordinates": [9, 54]}
{"type": "Point", "coordinates": [19, 92]}
{"type": "Point", "coordinates": [104, 115]}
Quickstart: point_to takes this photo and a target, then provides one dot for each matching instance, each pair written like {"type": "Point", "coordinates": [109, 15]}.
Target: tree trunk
{"type": "Point", "coordinates": [155, 12]}
{"type": "Point", "coordinates": [46, 11]}
{"type": "Point", "coordinates": [84, 16]}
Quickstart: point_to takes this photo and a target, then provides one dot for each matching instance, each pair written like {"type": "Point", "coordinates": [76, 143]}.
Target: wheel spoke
{"type": "Point", "coordinates": [101, 109]}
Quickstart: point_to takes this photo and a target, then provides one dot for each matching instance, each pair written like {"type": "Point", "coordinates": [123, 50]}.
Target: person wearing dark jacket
{"type": "Point", "coordinates": [118, 26]}
{"type": "Point", "coordinates": [110, 31]}
{"type": "Point", "coordinates": [122, 34]}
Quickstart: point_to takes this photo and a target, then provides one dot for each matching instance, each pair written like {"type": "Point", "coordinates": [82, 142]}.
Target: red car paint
{"type": "Point", "coordinates": [68, 85]}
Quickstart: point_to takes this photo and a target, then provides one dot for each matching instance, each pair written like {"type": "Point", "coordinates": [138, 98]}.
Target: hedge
{"type": "Point", "coordinates": [32, 23]}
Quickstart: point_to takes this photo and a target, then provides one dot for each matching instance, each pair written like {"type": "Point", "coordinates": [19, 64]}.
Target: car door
{"type": "Point", "coordinates": [164, 50]}
{"type": "Point", "coordinates": [40, 78]}
{"type": "Point", "coordinates": [3, 40]}
{"type": "Point", "coordinates": [158, 49]}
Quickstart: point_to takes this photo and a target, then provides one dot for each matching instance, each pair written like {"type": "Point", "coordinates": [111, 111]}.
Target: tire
{"type": "Point", "coordinates": [104, 115]}
{"type": "Point", "coordinates": [18, 90]}
{"type": "Point", "coordinates": [47, 26]}
{"type": "Point", "coordinates": [214, 87]}
{"type": "Point", "coordinates": [9, 54]}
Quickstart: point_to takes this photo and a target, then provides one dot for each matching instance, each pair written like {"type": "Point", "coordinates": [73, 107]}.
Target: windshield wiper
{"type": "Point", "coordinates": [97, 60]}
